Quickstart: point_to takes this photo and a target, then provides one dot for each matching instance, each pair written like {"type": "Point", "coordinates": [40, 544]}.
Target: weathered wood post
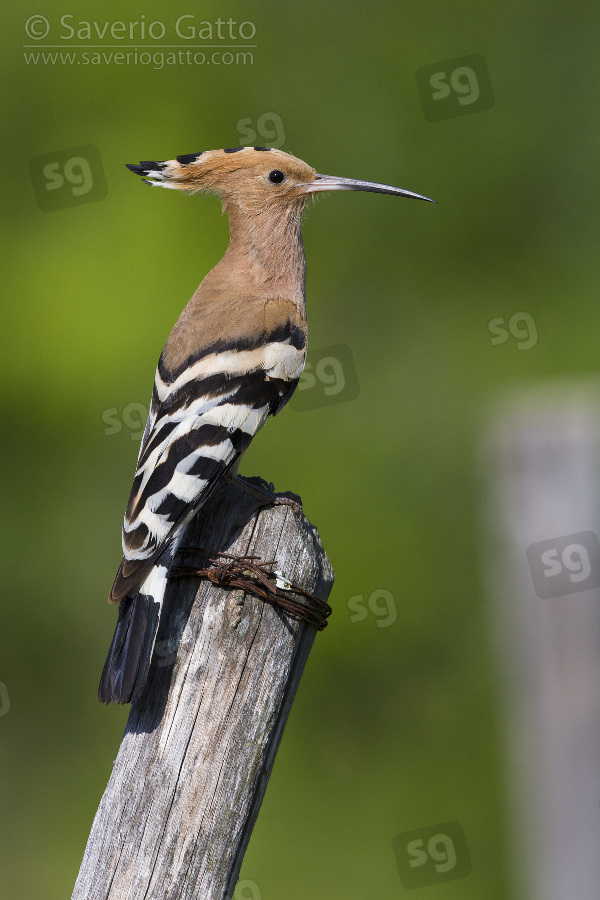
{"type": "Point", "coordinates": [542, 465]}
{"type": "Point", "coordinates": [200, 743]}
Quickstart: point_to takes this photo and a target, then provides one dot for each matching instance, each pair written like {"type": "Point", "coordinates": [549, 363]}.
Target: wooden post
{"type": "Point", "coordinates": [200, 743]}
{"type": "Point", "coordinates": [542, 465]}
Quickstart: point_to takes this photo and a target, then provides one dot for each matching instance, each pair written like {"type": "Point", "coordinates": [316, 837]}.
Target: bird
{"type": "Point", "coordinates": [232, 360]}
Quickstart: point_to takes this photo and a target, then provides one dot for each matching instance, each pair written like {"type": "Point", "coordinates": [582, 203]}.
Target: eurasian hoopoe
{"type": "Point", "coordinates": [232, 360]}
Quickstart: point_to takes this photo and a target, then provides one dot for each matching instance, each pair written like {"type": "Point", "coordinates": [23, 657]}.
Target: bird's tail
{"type": "Point", "coordinates": [130, 654]}
{"type": "Point", "coordinates": [128, 661]}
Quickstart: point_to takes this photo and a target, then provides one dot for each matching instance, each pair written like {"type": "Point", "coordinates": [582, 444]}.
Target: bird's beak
{"type": "Point", "coordinates": [330, 183]}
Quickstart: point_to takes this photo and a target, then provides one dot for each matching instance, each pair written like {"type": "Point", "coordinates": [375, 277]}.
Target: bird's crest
{"type": "Point", "coordinates": [246, 173]}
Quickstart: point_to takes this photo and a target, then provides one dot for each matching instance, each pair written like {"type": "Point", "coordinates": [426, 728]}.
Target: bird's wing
{"type": "Point", "coordinates": [201, 420]}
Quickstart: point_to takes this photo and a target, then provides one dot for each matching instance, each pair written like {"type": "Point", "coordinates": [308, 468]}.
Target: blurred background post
{"type": "Point", "coordinates": [542, 465]}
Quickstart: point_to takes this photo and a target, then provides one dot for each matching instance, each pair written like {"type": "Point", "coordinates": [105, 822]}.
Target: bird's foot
{"type": "Point", "coordinates": [265, 492]}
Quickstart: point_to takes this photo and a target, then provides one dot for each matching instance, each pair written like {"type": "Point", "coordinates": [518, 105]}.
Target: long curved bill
{"type": "Point", "coordinates": [330, 183]}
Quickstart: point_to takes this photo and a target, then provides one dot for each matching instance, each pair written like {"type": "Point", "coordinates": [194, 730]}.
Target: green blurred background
{"type": "Point", "coordinates": [394, 727]}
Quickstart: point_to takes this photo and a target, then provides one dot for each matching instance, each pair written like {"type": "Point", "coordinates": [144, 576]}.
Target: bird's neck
{"type": "Point", "coordinates": [266, 249]}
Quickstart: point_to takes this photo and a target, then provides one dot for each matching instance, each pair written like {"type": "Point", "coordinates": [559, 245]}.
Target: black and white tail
{"type": "Point", "coordinates": [130, 653]}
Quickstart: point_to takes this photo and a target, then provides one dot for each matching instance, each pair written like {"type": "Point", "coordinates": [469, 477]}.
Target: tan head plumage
{"type": "Point", "coordinates": [255, 178]}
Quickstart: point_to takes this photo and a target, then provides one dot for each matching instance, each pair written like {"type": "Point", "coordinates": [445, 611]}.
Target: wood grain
{"type": "Point", "coordinates": [200, 743]}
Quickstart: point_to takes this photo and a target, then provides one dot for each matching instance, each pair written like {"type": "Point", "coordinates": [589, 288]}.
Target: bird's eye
{"type": "Point", "coordinates": [276, 177]}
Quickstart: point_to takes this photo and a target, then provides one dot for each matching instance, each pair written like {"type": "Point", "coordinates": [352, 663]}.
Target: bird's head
{"type": "Point", "coordinates": [255, 179]}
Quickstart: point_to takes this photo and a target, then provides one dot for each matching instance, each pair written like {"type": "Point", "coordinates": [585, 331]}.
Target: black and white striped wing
{"type": "Point", "coordinates": [200, 422]}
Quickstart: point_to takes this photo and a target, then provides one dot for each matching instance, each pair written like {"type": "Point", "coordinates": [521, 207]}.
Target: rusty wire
{"type": "Point", "coordinates": [258, 578]}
